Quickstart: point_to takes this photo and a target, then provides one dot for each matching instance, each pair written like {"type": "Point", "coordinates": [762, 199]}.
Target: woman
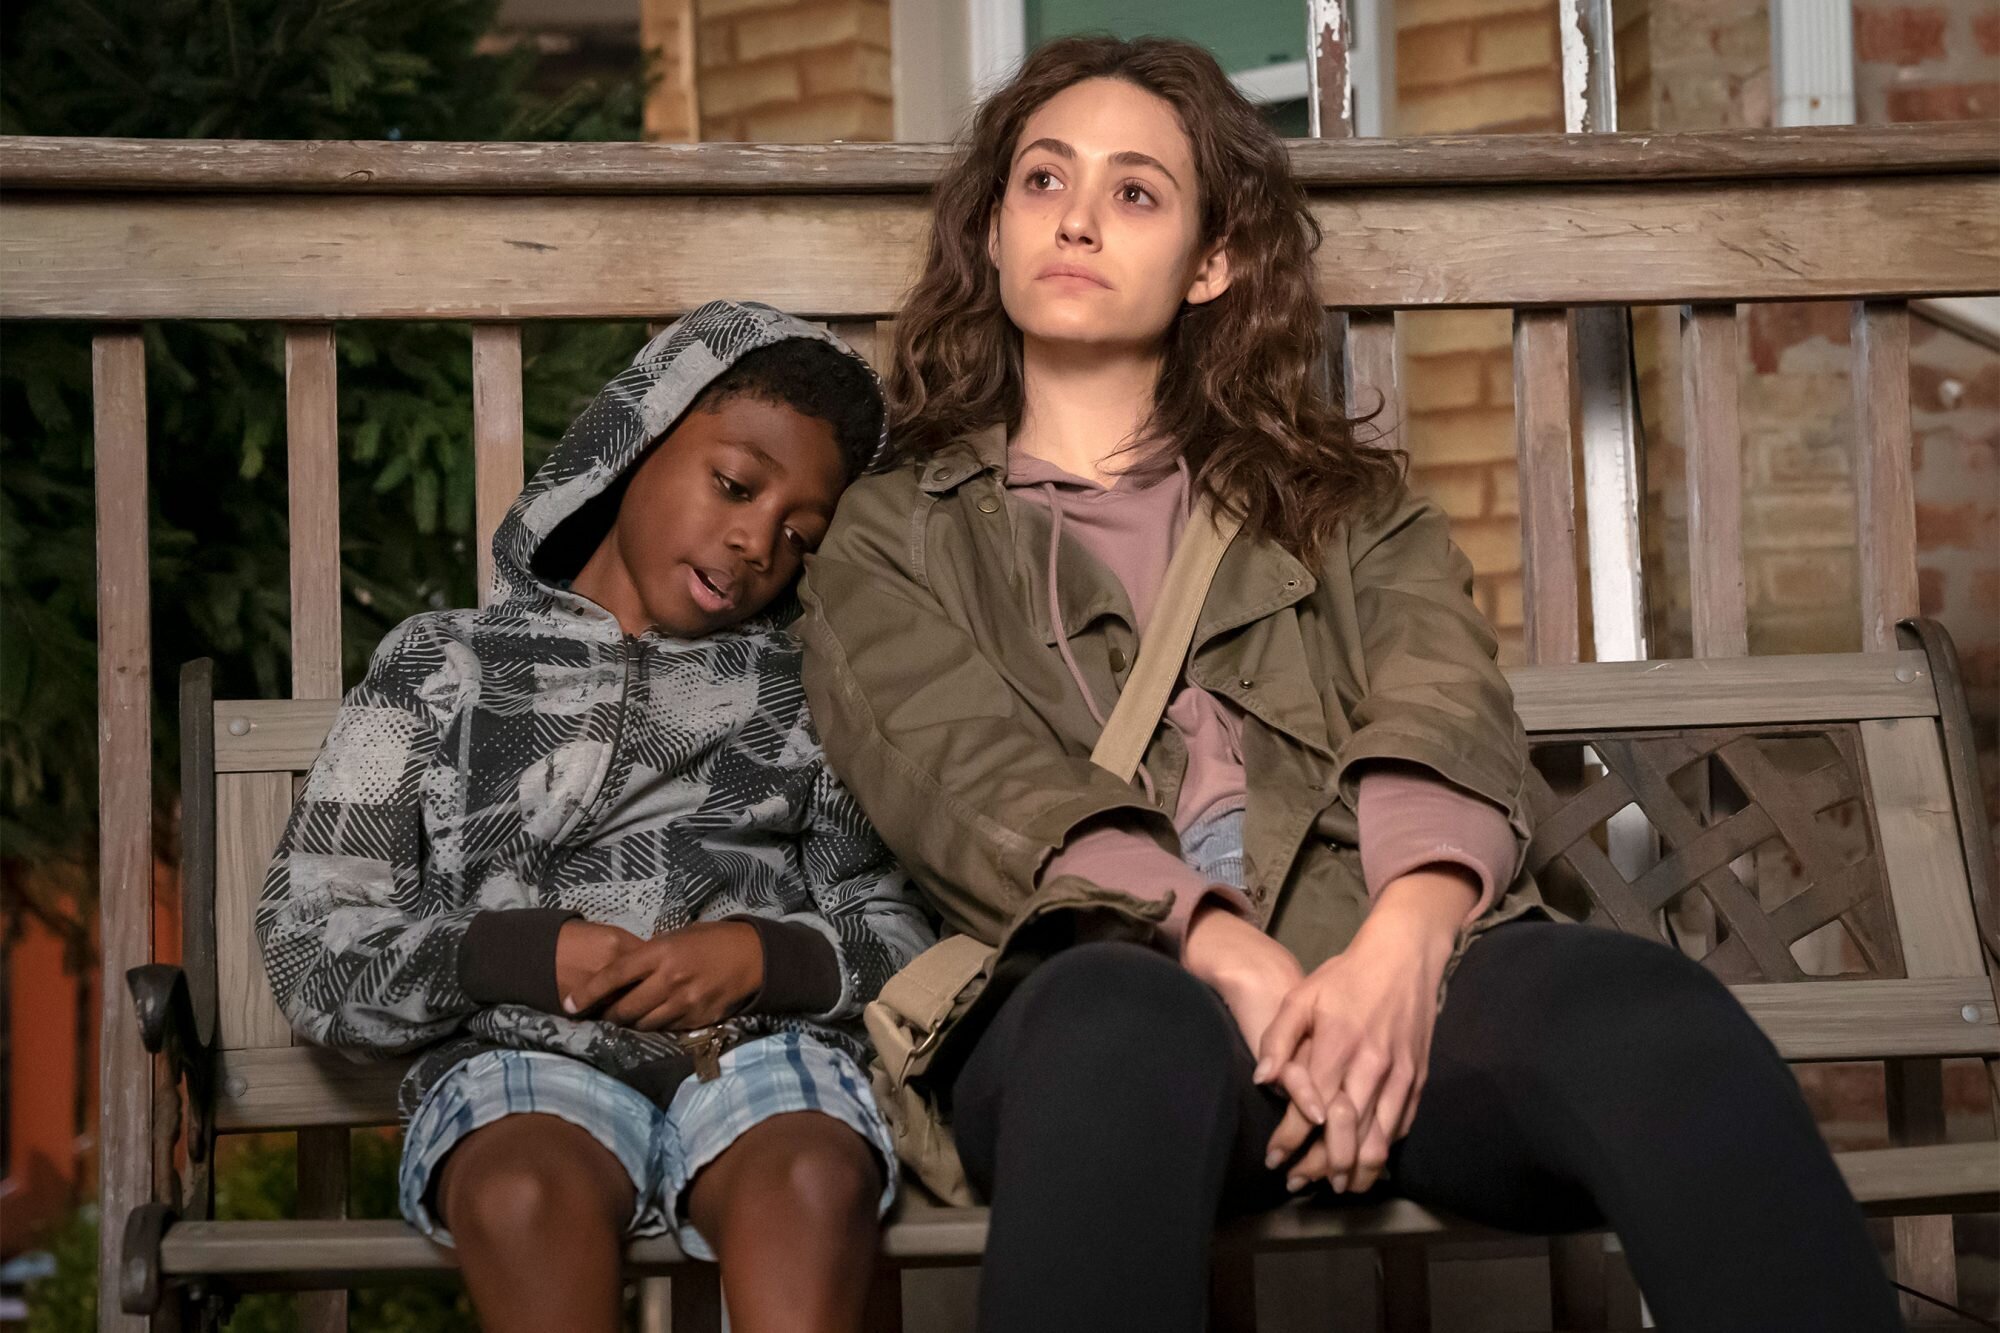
{"type": "Point", "coordinates": [1226, 983]}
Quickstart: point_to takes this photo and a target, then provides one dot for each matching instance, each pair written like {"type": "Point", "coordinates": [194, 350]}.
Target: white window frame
{"type": "Point", "coordinates": [997, 33]}
{"type": "Point", "coordinates": [987, 40]}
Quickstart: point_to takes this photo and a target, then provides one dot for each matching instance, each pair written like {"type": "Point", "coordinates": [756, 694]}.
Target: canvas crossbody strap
{"type": "Point", "coordinates": [1164, 648]}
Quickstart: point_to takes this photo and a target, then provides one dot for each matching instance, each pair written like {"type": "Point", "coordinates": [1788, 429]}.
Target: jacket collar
{"type": "Point", "coordinates": [1255, 580]}
{"type": "Point", "coordinates": [968, 456]}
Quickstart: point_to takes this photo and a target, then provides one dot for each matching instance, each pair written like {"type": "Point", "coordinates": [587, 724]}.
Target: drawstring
{"type": "Point", "coordinates": [1062, 632]}
{"type": "Point", "coordinates": [1055, 608]}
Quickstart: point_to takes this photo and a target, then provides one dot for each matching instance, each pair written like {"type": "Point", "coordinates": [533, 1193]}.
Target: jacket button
{"type": "Point", "coordinates": [1245, 683]}
{"type": "Point", "coordinates": [1117, 659]}
{"type": "Point", "coordinates": [988, 505]}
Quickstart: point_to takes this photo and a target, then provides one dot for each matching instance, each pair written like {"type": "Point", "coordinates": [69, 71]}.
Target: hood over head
{"type": "Point", "coordinates": [552, 527]}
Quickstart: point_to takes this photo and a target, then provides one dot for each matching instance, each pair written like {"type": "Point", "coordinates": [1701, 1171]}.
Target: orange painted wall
{"type": "Point", "coordinates": [51, 1152]}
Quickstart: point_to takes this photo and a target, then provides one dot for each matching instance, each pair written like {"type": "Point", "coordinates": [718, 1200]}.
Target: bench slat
{"type": "Point", "coordinates": [283, 735]}
{"type": "Point", "coordinates": [250, 814]}
{"type": "Point", "coordinates": [288, 1087]}
{"type": "Point", "coordinates": [270, 735]}
{"type": "Point", "coordinates": [1873, 1020]}
{"type": "Point", "coordinates": [306, 1253]}
{"type": "Point", "coordinates": [1722, 691]}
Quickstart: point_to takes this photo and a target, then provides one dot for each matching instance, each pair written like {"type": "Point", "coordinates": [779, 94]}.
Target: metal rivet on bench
{"type": "Point", "coordinates": [1970, 1013]}
{"type": "Point", "coordinates": [239, 726]}
{"type": "Point", "coordinates": [235, 1085]}
{"type": "Point", "coordinates": [1906, 674]}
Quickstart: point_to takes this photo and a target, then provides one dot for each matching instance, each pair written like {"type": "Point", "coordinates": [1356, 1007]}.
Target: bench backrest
{"type": "Point", "coordinates": [1793, 795]}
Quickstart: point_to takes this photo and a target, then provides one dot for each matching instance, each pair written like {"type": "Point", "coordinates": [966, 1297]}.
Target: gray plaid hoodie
{"type": "Point", "coordinates": [499, 772]}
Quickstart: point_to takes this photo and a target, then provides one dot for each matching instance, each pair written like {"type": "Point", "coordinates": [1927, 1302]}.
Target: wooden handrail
{"type": "Point", "coordinates": [366, 167]}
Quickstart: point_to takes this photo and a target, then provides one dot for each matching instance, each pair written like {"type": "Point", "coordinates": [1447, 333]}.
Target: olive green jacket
{"type": "Point", "coordinates": [945, 706]}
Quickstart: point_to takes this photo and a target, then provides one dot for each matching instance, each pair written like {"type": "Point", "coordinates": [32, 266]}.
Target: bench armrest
{"type": "Point", "coordinates": [167, 1026]}
{"type": "Point", "coordinates": [1962, 770]}
{"type": "Point", "coordinates": [165, 1006]}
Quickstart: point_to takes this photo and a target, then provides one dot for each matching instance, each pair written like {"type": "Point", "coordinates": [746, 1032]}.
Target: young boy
{"type": "Point", "coordinates": [582, 850]}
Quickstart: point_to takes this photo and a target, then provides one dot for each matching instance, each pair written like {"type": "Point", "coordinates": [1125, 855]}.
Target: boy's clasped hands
{"type": "Point", "coordinates": [678, 980]}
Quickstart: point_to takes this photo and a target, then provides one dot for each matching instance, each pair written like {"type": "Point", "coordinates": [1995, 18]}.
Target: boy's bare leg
{"type": "Point", "coordinates": [790, 1210]}
{"type": "Point", "coordinates": [538, 1208]}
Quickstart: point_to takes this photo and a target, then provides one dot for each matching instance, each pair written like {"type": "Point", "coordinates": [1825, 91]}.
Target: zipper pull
{"type": "Point", "coordinates": [707, 1053]}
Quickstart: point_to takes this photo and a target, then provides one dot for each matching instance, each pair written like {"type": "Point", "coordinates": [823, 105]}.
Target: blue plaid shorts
{"type": "Point", "coordinates": [661, 1150]}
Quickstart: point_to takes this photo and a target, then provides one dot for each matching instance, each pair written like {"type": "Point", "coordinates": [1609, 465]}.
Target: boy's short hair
{"type": "Point", "coordinates": [814, 379]}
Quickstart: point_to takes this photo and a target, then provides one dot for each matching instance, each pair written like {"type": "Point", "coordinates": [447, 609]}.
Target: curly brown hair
{"type": "Point", "coordinates": [1242, 397]}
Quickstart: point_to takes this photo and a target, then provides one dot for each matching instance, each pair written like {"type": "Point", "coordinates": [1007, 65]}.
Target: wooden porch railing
{"type": "Point", "coordinates": [309, 235]}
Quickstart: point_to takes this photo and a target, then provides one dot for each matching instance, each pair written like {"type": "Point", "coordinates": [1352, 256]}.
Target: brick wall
{"type": "Point", "coordinates": [1462, 66]}
{"type": "Point", "coordinates": [1708, 65]}
{"type": "Point", "coordinates": [775, 71]}
{"type": "Point", "coordinates": [1938, 61]}
{"type": "Point", "coordinates": [1487, 65]}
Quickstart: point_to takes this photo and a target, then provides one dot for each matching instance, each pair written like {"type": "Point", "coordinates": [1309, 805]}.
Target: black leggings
{"type": "Point", "coordinates": [1579, 1078]}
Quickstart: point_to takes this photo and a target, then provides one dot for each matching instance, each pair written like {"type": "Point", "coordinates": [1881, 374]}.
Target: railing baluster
{"type": "Point", "coordinates": [125, 793]}
{"type": "Point", "coordinates": [1542, 378]}
{"type": "Point", "coordinates": [1884, 490]}
{"type": "Point", "coordinates": [1709, 353]}
{"type": "Point", "coordinates": [496, 437]}
{"type": "Point", "coordinates": [312, 451]}
{"type": "Point", "coordinates": [1372, 379]}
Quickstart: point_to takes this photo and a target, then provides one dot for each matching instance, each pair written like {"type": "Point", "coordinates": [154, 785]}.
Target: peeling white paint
{"type": "Point", "coordinates": [1575, 67]}
{"type": "Point", "coordinates": [1328, 32]}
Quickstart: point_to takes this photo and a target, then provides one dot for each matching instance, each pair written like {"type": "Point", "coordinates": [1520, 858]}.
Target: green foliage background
{"type": "Point", "coordinates": [279, 69]}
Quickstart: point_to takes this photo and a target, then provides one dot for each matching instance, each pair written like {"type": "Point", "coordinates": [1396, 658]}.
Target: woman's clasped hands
{"type": "Point", "coordinates": [1349, 1043]}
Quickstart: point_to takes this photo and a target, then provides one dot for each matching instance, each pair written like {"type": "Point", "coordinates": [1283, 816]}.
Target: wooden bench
{"type": "Point", "coordinates": [1842, 784]}
{"type": "Point", "coordinates": [1561, 230]}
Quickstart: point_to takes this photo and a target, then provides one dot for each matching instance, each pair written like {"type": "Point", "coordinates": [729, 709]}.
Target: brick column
{"type": "Point", "coordinates": [795, 70]}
